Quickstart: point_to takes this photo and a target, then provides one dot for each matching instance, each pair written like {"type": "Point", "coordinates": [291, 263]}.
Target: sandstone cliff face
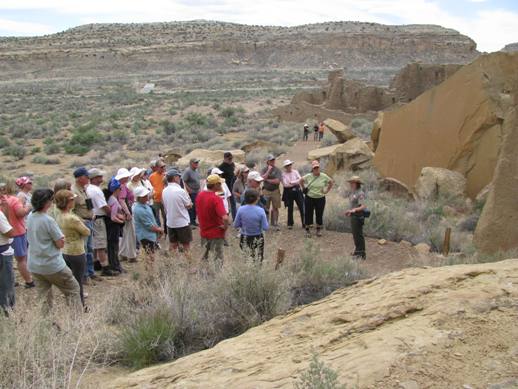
{"type": "Point", "coordinates": [372, 50]}
{"type": "Point", "coordinates": [457, 125]}
{"type": "Point", "coordinates": [448, 327]}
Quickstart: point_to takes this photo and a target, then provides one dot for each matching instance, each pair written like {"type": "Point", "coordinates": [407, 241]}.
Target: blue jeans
{"type": "Point", "coordinates": [89, 271]}
{"type": "Point", "coordinates": [192, 211]}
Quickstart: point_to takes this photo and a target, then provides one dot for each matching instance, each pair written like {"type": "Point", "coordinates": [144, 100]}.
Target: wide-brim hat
{"type": "Point", "coordinates": [135, 171]}
{"type": "Point", "coordinates": [288, 162]}
{"type": "Point", "coordinates": [356, 179]}
{"type": "Point", "coordinates": [122, 173]}
{"type": "Point", "coordinates": [141, 191]}
{"type": "Point", "coordinates": [94, 172]}
{"type": "Point", "coordinates": [255, 176]}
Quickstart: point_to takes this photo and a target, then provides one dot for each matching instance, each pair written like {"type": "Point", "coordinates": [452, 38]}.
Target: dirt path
{"type": "Point", "coordinates": [298, 153]}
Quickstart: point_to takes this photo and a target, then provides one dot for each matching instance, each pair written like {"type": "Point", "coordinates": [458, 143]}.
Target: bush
{"type": "Point", "coordinates": [149, 339]}
{"type": "Point", "coordinates": [4, 142]}
{"type": "Point", "coordinates": [168, 127]}
{"type": "Point", "coordinates": [362, 127]}
{"type": "Point", "coordinates": [16, 151]}
{"type": "Point", "coordinates": [45, 161]}
{"type": "Point", "coordinates": [318, 376]}
{"type": "Point", "coordinates": [51, 148]}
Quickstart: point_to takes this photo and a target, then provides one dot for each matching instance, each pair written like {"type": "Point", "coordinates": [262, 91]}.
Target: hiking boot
{"type": "Point", "coordinates": [97, 266]}
{"type": "Point", "coordinates": [107, 272]}
{"type": "Point", "coordinates": [29, 285]}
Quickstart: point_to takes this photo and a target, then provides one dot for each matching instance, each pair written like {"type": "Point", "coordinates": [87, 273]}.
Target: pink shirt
{"type": "Point", "coordinates": [290, 179]}
{"type": "Point", "coordinates": [18, 223]}
{"type": "Point", "coordinates": [115, 208]}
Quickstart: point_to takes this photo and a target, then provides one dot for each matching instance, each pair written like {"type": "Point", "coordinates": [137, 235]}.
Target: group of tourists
{"type": "Point", "coordinates": [85, 228]}
{"type": "Point", "coordinates": [318, 132]}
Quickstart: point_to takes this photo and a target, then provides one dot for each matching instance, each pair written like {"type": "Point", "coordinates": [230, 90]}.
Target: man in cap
{"type": "Point", "coordinates": [157, 179]}
{"type": "Point", "coordinates": [100, 211]}
{"type": "Point", "coordinates": [83, 209]}
{"type": "Point", "coordinates": [177, 204]}
{"type": "Point", "coordinates": [228, 168]}
{"type": "Point", "coordinates": [213, 219]}
{"type": "Point", "coordinates": [146, 228]}
{"type": "Point", "coordinates": [191, 180]}
{"type": "Point", "coordinates": [272, 176]}
{"type": "Point", "coordinates": [306, 133]}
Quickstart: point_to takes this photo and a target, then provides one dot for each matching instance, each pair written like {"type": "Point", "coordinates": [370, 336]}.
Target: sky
{"type": "Point", "coordinates": [491, 23]}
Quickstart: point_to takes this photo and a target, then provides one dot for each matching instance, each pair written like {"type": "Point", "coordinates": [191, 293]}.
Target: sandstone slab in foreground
{"type": "Point", "coordinates": [439, 327]}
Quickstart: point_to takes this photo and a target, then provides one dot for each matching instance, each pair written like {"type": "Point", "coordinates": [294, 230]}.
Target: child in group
{"type": "Point", "coordinates": [146, 226]}
{"type": "Point", "coordinates": [252, 221]}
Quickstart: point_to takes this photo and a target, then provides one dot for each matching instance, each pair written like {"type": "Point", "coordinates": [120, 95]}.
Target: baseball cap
{"type": "Point", "coordinates": [141, 191]}
{"type": "Point", "coordinates": [315, 164]}
{"type": "Point", "coordinates": [113, 185]}
{"type": "Point", "coordinates": [173, 173]}
{"type": "Point", "coordinates": [214, 179]}
{"type": "Point", "coordinates": [227, 154]}
{"type": "Point", "coordinates": [288, 162]}
{"type": "Point", "coordinates": [80, 171]}
{"type": "Point", "coordinates": [255, 176]}
{"type": "Point", "coordinates": [270, 157]}
{"type": "Point", "coordinates": [216, 171]}
{"type": "Point", "coordinates": [94, 172]}
{"type": "Point", "coordinates": [22, 181]}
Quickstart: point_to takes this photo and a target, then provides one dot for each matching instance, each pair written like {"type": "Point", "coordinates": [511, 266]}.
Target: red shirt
{"type": "Point", "coordinates": [210, 211]}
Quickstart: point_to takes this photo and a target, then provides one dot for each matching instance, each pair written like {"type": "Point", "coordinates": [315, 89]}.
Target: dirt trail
{"type": "Point", "coordinates": [298, 153]}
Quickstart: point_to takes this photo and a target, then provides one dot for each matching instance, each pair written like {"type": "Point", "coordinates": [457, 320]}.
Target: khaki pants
{"type": "Point", "coordinates": [63, 280]}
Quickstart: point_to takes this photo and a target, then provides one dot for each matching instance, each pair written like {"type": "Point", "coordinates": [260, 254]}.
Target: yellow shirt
{"type": "Point", "coordinates": [75, 232]}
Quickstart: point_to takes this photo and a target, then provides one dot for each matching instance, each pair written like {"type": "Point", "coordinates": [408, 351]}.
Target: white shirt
{"type": "Point", "coordinates": [176, 200]}
{"type": "Point", "coordinates": [224, 196]}
{"type": "Point", "coordinates": [4, 228]}
{"type": "Point", "coordinates": [98, 200]}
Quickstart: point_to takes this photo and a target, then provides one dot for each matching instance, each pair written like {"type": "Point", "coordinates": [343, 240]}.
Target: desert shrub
{"type": "Point", "coordinates": [149, 338]}
{"type": "Point", "coordinates": [82, 139]}
{"type": "Point", "coordinates": [16, 151]}
{"type": "Point", "coordinates": [196, 119]}
{"type": "Point", "coordinates": [318, 376]}
{"type": "Point", "coordinates": [229, 112]}
{"type": "Point", "coordinates": [329, 139]}
{"type": "Point", "coordinates": [51, 148]}
{"type": "Point", "coordinates": [40, 159]}
{"type": "Point", "coordinates": [362, 127]}
{"type": "Point", "coordinates": [4, 142]}
{"type": "Point", "coordinates": [168, 127]}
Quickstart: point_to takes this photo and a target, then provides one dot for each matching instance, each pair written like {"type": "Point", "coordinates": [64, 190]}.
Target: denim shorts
{"type": "Point", "coordinates": [20, 245]}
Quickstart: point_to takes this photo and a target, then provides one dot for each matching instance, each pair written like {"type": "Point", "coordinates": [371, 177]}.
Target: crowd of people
{"type": "Point", "coordinates": [86, 228]}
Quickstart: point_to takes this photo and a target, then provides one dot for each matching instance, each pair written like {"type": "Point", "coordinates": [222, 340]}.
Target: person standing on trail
{"type": "Point", "coordinates": [292, 192]}
{"type": "Point", "coordinates": [191, 180]}
{"type": "Point", "coordinates": [272, 176]}
{"type": "Point", "coordinates": [157, 179]}
{"type": "Point", "coordinates": [240, 184]}
{"type": "Point", "coordinates": [315, 185]}
{"type": "Point", "coordinates": [315, 132]}
{"type": "Point", "coordinates": [228, 167]}
{"type": "Point", "coordinates": [306, 133]}
{"type": "Point", "coordinates": [254, 182]}
{"type": "Point", "coordinates": [213, 220]}
{"type": "Point", "coordinates": [146, 228]}
{"type": "Point", "coordinates": [321, 129]}
{"type": "Point", "coordinates": [356, 213]}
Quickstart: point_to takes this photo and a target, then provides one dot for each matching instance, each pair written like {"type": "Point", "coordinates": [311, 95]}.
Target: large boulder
{"type": "Point", "coordinates": [376, 131]}
{"type": "Point", "coordinates": [435, 182]}
{"type": "Point", "coordinates": [352, 155]}
{"type": "Point", "coordinates": [342, 132]}
{"type": "Point", "coordinates": [457, 125]}
{"type": "Point", "coordinates": [497, 228]}
{"type": "Point", "coordinates": [210, 157]}
{"type": "Point", "coordinates": [395, 187]}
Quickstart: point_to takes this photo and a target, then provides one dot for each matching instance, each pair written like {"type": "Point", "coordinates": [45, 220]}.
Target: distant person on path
{"type": "Point", "coordinates": [114, 223]}
{"type": "Point", "coordinates": [272, 176]}
{"type": "Point", "coordinates": [315, 132]}
{"type": "Point", "coordinates": [192, 182]}
{"type": "Point", "coordinates": [76, 232]}
{"type": "Point", "coordinates": [306, 133]}
{"type": "Point", "coordinates": [321, 129]}
{"type": "Point", "coordinates": [157, 179]}
{"type": "Point", "coordinates": [25, 195]}
{"type": "Point", "coordinates": [316, 185]}
{"type": "Point", "coordinates": [7, 277]}
{"type": "Point", "coordinates": [292, 193]}
{"type": "Point", "coordinates": [355, 211]}
{"type": "Point", "coordinates": [83, 208]}
{"type": "Point", "coordinates": [128, 243]}
{"type": "Point", "coordinates": [146, 227]}
{"type": "Point", "coordinates": [213, 219]}
{"type": "Point", "coordinates": [101, 212]}
{"type": "Point", "coordinates": [46, 262]}
{"type": "Point", "coordinates": [228, 167]}
{"type": "Point", "coordinates": [177, 203]}
{"type": "Point", "coordinates": [251, 220]}
{"type": "Point", "coordinates": [239, 186]}
{"type": "Point", "coordinates": [16, 214]}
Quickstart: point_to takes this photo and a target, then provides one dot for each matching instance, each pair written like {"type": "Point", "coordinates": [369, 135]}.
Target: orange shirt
{"type": "Point", "coordinates": [321, 128]}
{"type": "Point", "coordinates": [157, 181]}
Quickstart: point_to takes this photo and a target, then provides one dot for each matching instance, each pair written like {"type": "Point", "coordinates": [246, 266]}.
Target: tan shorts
{"type": "Point", "coordinates": [99, 237]}
{"type": "Point", "coordinates": [273, 198]}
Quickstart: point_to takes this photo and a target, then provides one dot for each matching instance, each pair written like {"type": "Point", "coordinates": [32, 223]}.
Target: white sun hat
{"type": "Point", "coordinates": [122, 173]}
{"type": "Point", "coordinates": [216, 171]}
{"type": "Point", "coordinates": [288, 162]}
{"type": "Point", "coordinates": [141, 191]}
{"type": "Point", "coordinates": [135, 171]}
{"type": "Point", "coordinates": [255, 176]}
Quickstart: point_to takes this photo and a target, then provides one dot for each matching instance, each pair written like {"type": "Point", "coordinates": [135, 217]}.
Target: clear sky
{"type": "Point", "coordinates": [491, 23]}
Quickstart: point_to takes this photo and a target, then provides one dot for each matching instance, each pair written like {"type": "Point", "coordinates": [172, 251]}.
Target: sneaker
{"type": "Point", "coordinates": [107, 272]}
{"type": "Point", "coordinates": [29, 285]}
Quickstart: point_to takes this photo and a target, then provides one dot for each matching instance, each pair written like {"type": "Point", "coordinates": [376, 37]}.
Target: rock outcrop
{"type": "Point", "coordinates": [435, 182]}
{"type": "Point", "coordinates": [211, 157]}
{"type": "Point", "coordinates": [452, 326]}
{"type": "Point", "coordinates": [342, 132]}
{"type": "Point", "coordinates": [456, 125]}
{"type": "Point", "coordinates": [497, 228]}
{"type": "Point", "coordinates": [352, 155]}
{"type": "Point", "coordinates": [108, 50]}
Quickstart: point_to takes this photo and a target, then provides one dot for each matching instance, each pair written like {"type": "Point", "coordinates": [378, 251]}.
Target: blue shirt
{"type": "Point", "coordinates": [44, 256]}
{"type": "Point", "coordinates": [144, 219]}
{"type": "Point", "coordinates": [251, 219]}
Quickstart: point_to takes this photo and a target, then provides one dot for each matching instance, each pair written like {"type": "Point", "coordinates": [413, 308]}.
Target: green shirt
{"type": "Point", "coordinates": [316, 185]}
